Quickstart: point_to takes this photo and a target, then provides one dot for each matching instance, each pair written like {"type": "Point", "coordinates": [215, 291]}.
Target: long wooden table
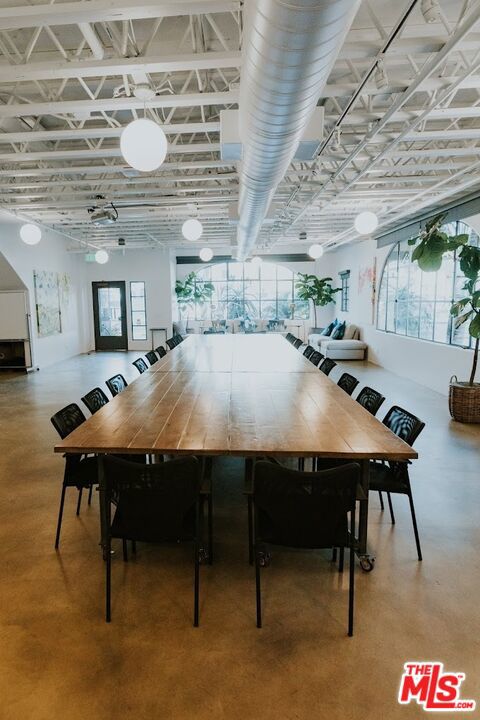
{"type": "Point", "coordinates": [243, 395]}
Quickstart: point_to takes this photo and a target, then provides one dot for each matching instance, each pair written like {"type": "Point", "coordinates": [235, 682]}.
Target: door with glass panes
{"type": "Point", "coordinates": [110, 315]}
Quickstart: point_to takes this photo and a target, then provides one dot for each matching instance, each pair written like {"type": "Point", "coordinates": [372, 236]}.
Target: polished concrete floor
{"type": "Point", "coordinates": [60, 660]}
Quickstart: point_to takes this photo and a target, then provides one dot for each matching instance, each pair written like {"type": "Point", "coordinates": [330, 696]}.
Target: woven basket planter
{"type": "Point", "coordinates": [464, 401]}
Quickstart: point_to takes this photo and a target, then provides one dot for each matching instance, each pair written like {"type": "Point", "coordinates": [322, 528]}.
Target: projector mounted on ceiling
{"type": "Point", "coordinates": [104, 213]}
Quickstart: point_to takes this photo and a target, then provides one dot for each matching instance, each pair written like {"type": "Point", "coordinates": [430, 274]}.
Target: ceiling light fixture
{"type": "Point", "coordinates": [192, 229]}
{"type": "Point", "coordinates": [101, 257]}
{"type": "Point", "coordinates": [380, 75]}
{"type": "Point", "coordinates": [315, 251]}
{"type": "Point", "coordinates": [256, 260]}
{"type": "Point", "coordinates": [366, 223]}
{"type": "Point", "coordinates": [30, 234]}
{"type": "Point", "coordinates": [143, 145]}
{"type": "Point", "coordinates": [206, 254]}
{"type": "Point", "coordinates": [430, 11]}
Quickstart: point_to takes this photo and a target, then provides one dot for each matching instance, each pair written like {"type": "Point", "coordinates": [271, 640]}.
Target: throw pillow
{"type": "Point", "coordinates": [338, 331]}
{"type": "Point", "coordinates": [328, 330]}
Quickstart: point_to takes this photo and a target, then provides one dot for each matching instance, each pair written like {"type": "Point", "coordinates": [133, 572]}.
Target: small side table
{"type": "Point", "coordinates": [153, 331]}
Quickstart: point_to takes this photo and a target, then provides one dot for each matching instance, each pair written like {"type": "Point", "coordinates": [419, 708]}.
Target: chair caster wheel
{"type": "Point", "coordinates": [203, 556]}
{"type": "Point", "coordinates": [367, 564]}
{"type": "Point", "coordinates": [264, 559]}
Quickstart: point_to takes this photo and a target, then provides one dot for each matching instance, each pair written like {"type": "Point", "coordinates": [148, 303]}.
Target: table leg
{"type": "Point", "coordinates": [102, 502]}
{"type": "Point", "coordinates": [366, 560]}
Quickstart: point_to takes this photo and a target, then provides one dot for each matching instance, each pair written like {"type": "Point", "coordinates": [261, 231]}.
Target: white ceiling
{"type": "Point", "coordinates": [63, 102]}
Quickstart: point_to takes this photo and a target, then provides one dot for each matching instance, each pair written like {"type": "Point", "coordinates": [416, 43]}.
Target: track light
{"type": "Point", "coordinates": [380, 76]}
{"type": "Point", "coordinates": [430, 10]}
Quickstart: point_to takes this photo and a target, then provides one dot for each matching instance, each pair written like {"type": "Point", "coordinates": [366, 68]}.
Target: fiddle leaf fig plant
{"type": "Point", "coordinates": [318, 290]}
{"type": "Point", "coordinates": [433, 244]}
{"type": "Point", "coordinates": [192, 291]}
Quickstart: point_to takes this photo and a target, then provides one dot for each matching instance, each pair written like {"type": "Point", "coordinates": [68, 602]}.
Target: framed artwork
{"type": "Point", "coordinates": [47, 303]}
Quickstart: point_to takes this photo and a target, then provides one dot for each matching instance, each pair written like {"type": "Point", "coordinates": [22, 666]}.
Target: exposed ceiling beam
{"type": "Point", "coordinates": [104, 169]}
{"type": "Point", "coordinates": [99, 152]}
{"type": "Point", "coordinates": [117, 66]}
{"type": "Point", "coordinates": [71, 13]}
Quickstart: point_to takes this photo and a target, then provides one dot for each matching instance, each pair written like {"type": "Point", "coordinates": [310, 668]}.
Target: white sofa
{"type": "Point", "coordinates": [349, 348]}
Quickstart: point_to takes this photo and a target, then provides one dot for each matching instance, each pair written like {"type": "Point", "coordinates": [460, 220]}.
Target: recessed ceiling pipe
{"type": "Point", "coordinates": [289, 49]}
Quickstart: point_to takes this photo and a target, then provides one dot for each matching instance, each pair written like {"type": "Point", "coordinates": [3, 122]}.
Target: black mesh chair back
{"type": "Point", "coordinates": [95, 399]}
{"type": "Point", "coordinates": [304, 510]}
{"type": "Point", "coordinates": [171, 343]}
{"type": "Point", "coordinates": [161, 351]}
{"type": "Point", "coordinates": [151, 356]}
{"type": "Point", "coordinates": [67, 420]}
{"type": "Point", "coordinates": [348, 383]}
{"type": "Point", "coordinates": [407, 426]}
{"type": "Point", "coordinates": [116, 384]}
{"type": "Point", "coordinates": [327, 366]}
{"type": "Point", "coordinates": [178, 339]}
{"type": "Point", "coordinates": [290, 337]}
{"type": "Point", "coordinates": [153, 503]}
{"type": "Point", "coordinates": [296, 343]}
{"type": "Point", "coordinates": [214, 332]}
{"type": "Point", "coordinates": [141, 365]}
{"type": "Point", "coordinates": [315, 357]}
{"type": "Point", "coordinates": [370, 399]}
{"type": "Point", "coordinates": [308, 352]}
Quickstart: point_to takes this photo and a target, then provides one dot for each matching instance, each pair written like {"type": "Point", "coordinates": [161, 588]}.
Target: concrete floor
{"type": "Point", "coordinates": [60, 660]}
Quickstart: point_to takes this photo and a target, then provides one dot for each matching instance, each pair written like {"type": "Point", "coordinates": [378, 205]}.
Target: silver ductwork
{"type": "Point", "coordinates": [289, 49]}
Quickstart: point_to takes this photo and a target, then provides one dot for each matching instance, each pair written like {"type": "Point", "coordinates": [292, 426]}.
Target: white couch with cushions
{"type": "Point", "coordinates": [350, 347]}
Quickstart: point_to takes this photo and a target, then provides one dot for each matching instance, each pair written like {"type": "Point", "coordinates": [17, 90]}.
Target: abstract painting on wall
{"type": "Point", "coordinates": [367, 282]}
{"type": "Point", "coordinates": [47, 302]}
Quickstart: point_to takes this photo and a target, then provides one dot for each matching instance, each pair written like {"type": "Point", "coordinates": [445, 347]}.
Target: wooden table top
{"type": "Point", "coordinates": [299, 412]}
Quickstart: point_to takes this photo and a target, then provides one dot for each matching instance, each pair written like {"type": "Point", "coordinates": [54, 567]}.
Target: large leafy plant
{"type": "Point", "coordinates": [433, 244]}
{"type": "Point", "coordinates": [192, 291]}
{"type": "Point", "coordinates": [318, 290]}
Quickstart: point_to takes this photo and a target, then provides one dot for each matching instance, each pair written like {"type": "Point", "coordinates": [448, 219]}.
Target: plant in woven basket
{"type": "Point", "coordinates": [318, 290]}
{"type": "Point", "coordinates": [192, 291]}
{"type": "Point", "coordinates": [433, 244]}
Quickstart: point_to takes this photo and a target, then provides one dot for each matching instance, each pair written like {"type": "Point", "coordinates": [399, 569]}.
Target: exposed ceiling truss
{"type": "Point", "coordinates": [68, 72]}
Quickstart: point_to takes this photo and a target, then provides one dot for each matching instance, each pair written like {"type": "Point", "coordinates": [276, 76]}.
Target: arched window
{"type": "Point", "coordinates": [416, 303]}
{"type": "Point", "coordinates": [245, 290]}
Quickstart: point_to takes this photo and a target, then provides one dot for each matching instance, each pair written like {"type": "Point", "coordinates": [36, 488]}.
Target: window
{"type": "Point", "coordinates": [138, 311]}
{"type": "Point", "coordinates": [416, 303]}
{"type": "Point", "coordinates": [345, 294]}
{"type": "Point", "coordinates": [247, 291]}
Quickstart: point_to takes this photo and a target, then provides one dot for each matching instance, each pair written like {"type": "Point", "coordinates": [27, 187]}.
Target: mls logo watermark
{"type": "Point", "coordinates": [428, 685]}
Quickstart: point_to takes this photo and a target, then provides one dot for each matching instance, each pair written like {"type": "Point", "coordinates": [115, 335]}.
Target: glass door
{"type": "Point", "coordinates": [110, 315]}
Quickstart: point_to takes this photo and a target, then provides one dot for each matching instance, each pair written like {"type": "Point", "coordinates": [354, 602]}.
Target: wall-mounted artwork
{"type": "Point", "coordinates": [47, 303]}
{"type": "Point", "coordinates": [367, 283]}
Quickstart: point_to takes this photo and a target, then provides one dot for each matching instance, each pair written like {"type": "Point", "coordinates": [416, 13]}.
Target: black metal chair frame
{"type": "Point", "coordinates": [114, 383]}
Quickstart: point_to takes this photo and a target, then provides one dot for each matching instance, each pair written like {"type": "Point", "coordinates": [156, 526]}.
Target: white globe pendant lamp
{"type": "Point", "coordinates": [206, 254]}
{"type": "Point", "coordinates": [315, 251]}
{"type": "Point", "coordinates": [30, 234]}
{"type": "Point", "coordinates": [366, 223]}
{"type": "Point", "coordinates": [101, 257]}
{"type": "Point", "coordinates": [192, 229]}
{"type": "Point", "coordinates": [143, 144]}
{"type": "Point", "coordinates": [256, 260]}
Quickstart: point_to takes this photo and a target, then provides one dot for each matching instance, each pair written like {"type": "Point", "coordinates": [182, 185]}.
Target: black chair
{"type": "Point", "coordinates": [153, 503]}
{"type": "Point", "coordinates": [392, 477]}
{"type": "Point", "coordinates": [161, 351]}
{"type": "Point", "coordinates": [80, 470]}
{"type": "Point", "coordinates": [290, 337]}
{"type": "Point", "coordinates": [171, 343]}
{"type": "Point", "coordinates": [327, 366]}
{"type": "Point", "coordinates": [370, 399]}
{"type": "Point", "coordinates": [297, 343]}
{"type": "Point", "coordinates": [214, 332]}
{"type": "Point", "coordinates": [95, 399]}
{"type": "Point", "coordinates": [178, 339]}
{"type": "Point", "coordinates": [116, 384]}
{"type": "Point", "coordinates": [348, 383]}
{"type": "Point", "coordinates": [141, 365]}
{"type": "Point", "coordinates": [304, 510]}
{"type": "Point", "coordinates": [315, 357]}
{"type": "Point", "coordinates": [308, 352]}
{"type": "Point", "coordinates": [151, 356]}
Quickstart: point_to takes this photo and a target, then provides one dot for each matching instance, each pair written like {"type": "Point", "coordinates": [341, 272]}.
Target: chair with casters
{"type": "Point", "coordinates": [151, 356]}
{"type": "Point", "coordinates": [141, 365]}
{"type": "Point", "coordinates": [315, 357]}
{"type": "Point", "coordinates": [161, 351]}
{"type": "Point", "coordinates": [392, 477]}
{"type": "Point", "coordinates": [116, 384]}
{"type": "Point", "coordinates": [297, 343]}
{"type": "Point", "coordinates": [370, 399]}
{"type": "Point", "coordinates": [95, 399]}
{"type": "Point", "coordinates": [308, 352]}
{"type": "Point", "coordinates": [80, 470]}
{"type": "Point", "coordinates": [153, 503]}
{"type": "Point", "coordinates": [327, 366]}
{"type": "Point", "coordinates": [307, 510]}
{"type": "Point", "coordinates": [348, 383]}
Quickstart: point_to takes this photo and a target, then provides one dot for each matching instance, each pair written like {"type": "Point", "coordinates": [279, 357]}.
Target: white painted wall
{"type": "Point", "coordinates": [50, 254]}
{"type": "Point", "coordinates": [152, 266]}
{"type": "Point", "coordinates": [428, 363]}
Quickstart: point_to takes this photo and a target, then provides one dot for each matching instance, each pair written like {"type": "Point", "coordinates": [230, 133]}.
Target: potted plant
{"type": "Point", "coordinates": [434, 243]}
{"type": "Point", "coordinates": [192, 291]}
{"type": "Point", "coordinates": [318, 290]}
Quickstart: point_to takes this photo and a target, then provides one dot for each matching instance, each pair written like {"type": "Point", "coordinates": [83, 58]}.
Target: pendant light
{"type": "Point", "coordinates": [30, 234]}
{"type": "Point", "coordinates": [206, 254]}
{"type": "Point", "coordinates": [315, 251]}
{"type": "Point", "coordinates": [143, 145]}
{"type": "Point", "coordinates": [192, 229]}
{"type": "Point", "coordinates": [366, 223]}
{"type": "Point", "coordinates": [101, 257]}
